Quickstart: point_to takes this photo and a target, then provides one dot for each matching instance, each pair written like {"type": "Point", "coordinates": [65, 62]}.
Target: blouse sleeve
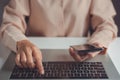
{"type": "Point", "coordinates": [103, 25]}
{"type": "Point", "coordinates": [14, 26]}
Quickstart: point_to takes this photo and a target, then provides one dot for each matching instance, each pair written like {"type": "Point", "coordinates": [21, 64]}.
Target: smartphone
{"type": "Point", "coordinates": [85, 49]}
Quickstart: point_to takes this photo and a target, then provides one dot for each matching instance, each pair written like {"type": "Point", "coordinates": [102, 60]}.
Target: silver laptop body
{"type": "Point", "coordinates": [54, 55]}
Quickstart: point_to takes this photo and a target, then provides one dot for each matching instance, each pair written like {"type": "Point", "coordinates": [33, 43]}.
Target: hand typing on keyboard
{"type": "Point", "coordinates": [29, 56]}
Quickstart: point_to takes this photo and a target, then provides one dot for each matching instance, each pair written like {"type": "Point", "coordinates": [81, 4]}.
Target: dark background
{"type": "Point", "coordinates": [115, 2]}
{"type": "Point", "coordinates": [2, 4]}
{"type": "Point", "coordinates": [117, 18]}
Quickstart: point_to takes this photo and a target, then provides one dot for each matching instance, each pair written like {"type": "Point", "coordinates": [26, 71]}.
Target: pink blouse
{"type": "Point", "coordinates": [59, 18]}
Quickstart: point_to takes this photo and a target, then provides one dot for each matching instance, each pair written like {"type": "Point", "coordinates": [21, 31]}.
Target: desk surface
{"type": "Point", "coordinates": [64, 43]}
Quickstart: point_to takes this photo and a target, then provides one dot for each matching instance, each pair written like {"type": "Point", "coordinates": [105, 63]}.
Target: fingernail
{"type": "Point", "coordinates": [42, 72]}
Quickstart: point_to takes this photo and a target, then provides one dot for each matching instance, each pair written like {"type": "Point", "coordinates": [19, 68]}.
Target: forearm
{"type": "Point", "coordinates": [103, 36]}
{"type": "Point", "coordinates": [103, 25]}
{"type": "Point", "coordinates": [14, 25]}
{"type": "Point", "coordinates": [11, 36]}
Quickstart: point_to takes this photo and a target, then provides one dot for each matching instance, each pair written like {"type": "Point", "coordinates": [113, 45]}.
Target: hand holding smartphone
{"type": "Point", "coordinates": [83, 50]}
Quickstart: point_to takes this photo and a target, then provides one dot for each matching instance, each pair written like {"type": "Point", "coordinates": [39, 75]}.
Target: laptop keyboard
{"type": "Point", "coordinates": [63, 70]}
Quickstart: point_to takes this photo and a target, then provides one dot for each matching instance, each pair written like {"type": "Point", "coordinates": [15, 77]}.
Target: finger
{"type": "Point", "coordinates": [97, 45]}
{"type": "Point", "coordinates": [23, 59]}
{"type": "Point", "coordinates": [38, 57]}
{"type": "Point", "coordinates": [40, 67]}
{"type": "Point", "coordinates": [29, 56]}
{"type": "Point", "coordinates": [85, 58]}
{"type": "Point", "coordinates": [93, 54]}
{"type": "Point", "coordinates": [74, 55]}
{"type": "Point", "coordinates": [17, 60]}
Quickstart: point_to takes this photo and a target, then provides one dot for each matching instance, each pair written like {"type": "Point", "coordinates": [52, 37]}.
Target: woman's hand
{"type": "Point", "coordinates": [81, 58]}
{"type": "Point", "coordinates": [29, 56]}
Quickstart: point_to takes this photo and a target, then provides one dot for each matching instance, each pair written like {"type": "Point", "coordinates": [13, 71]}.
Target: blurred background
{"type": "Point", "coordinates": [116, 4]}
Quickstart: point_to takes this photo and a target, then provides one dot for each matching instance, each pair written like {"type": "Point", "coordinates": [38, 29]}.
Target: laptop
{"type": "Point", "coordinates": [58, 64]}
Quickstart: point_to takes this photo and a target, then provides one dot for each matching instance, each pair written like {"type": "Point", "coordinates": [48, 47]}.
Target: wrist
{"type": "Point", "coordinates": [22, 43]}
